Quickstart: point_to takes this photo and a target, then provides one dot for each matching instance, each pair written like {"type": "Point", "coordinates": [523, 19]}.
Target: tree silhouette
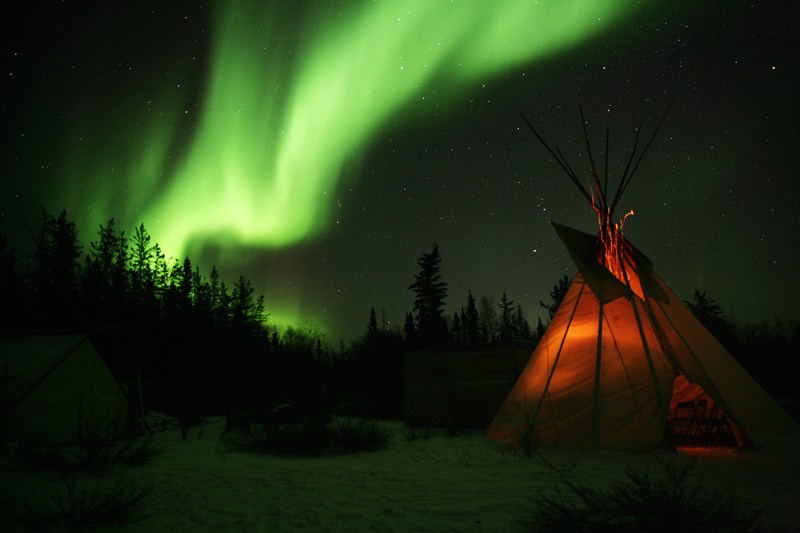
{"type": "Point", "coordinates": [556, 296]}
{"type": "Point", "coordinates": [246, 312]}
{"type": "Point", "coordinates": [523, 329]}
{"type": "Point", "coordinates": [471, 322]}
{"type": "Point", "coordinates": [142, 275]}
{"type": "Point", "coordinates": [372, 327]}
{"type": "Point", "coordinates": [507, 330]}
{"type": "Point", "coordinates": [457, 329]}
{"type": "Point", "coordinates": [431, 291]}
{"type": "Point", "coordinates": [487, 325]}
{"type": "Point", "coordinates": [56, 270]}
{"type": "Point", "coordinates": [712, 316]}
{"type": "Point", "coordinates": [105, 276]}
{"type": "Point", "coordinates": [409, 330]}
{"type": "Point", "coordinates": [12, 311]}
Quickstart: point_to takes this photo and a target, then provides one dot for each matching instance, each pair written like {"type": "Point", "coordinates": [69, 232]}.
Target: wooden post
{"type": "Point", "coordinates": [145, 426]}
{"type": "Point", "coordinates": [4, 387]}
{"type": "Point", "coordinates": [3, 391]}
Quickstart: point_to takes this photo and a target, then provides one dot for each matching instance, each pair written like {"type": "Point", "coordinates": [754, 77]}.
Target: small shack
{"type": "Point", "coordinates": [461, 386]}
{"type": "Point", "coordinates": [56, 389]}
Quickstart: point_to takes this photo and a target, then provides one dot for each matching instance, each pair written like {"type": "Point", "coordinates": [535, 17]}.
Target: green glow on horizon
{"type": "Point", "coordinates": [279, 124]}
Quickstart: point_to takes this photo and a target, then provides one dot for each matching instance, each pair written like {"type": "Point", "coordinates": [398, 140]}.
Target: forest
{"type": "Point", "coordinates": [202, 346]}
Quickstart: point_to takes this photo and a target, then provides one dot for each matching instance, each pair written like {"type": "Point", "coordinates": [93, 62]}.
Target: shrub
{"type": "Point", "coordinates": [94, 456]}
{"type": "Point", "coordinates": [312, 437]}
{"type": "Point", "coordinates": [452, 432]}
{"type": "Point", "coordinates": [525, 441]}
{"type": "Point", "coordinates": [414, 433]}
{"type": "Point", "coordinates": [75, 505]}
{"type": "Point", "coordinates": [640, 503]}
{"type": "Point", "coordinates": [361, 435]}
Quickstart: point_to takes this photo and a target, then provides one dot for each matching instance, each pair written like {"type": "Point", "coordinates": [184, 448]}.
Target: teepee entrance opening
{"type": "Point", "coordinates": [695, 419]}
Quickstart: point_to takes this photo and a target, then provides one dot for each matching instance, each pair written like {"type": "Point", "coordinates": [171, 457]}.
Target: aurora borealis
{"type": "Point", "coordinates": [272, 156]}
{"type": "Point", "coordinates": [319, 147]}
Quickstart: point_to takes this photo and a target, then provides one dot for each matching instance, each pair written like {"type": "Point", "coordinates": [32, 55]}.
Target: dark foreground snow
{"type": "Point", "coordinates": [461, 484]}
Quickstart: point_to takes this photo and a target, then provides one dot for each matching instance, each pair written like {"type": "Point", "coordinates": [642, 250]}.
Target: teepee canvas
{"type": "Point", "coordinates": [621, 351]}
{"type": "Point", "coordinates": [616, 359]}
{"type": "Point", "coordinates": [56, 389]}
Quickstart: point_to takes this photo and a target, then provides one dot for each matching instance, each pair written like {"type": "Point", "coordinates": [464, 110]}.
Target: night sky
{"type": "Point", "coordinates": [318, 148]}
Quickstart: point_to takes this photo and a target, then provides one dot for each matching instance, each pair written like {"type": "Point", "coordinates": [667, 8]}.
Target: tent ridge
{"type": "Point", "coordinates": [42, 378]}
{"type": "Point", "coordinates": [61, 388]}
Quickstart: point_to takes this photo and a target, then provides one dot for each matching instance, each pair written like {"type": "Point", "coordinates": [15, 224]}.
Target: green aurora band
{"type": "Point", "coordinates": [288, 106]}
{"type": "Point", "coordinates": [275, 133]}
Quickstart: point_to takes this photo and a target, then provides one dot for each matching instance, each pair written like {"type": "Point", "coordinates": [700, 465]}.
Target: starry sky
{"type": "Point", "coordinates": [318, 148]}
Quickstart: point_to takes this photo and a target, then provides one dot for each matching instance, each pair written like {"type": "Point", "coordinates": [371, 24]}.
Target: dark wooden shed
{"type": "Point", "coordinates": [462, 386]}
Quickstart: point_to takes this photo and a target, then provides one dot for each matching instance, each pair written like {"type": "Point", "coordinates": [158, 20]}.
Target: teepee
{"type": "Point", "coordinates": [622, 350]}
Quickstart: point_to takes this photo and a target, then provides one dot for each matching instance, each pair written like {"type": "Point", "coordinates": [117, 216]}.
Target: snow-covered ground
{"type": "Point", "coordinates": [462, 483]}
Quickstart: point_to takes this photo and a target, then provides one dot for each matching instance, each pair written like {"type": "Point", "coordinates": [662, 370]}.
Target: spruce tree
{"type": "Point", "coordinates": [540, 329]}
{"type": "Point", "coordinates": [556, 295]}
{"type": "Point", "coordinates": [507, 329]}
{"type": "Point", "coordinates": [457, 329]}
{"type": "Point", "coordinates": [12, 304]}
{"type": "Point", "coordinates": [487, 319]}
{"type": "Point", "coordinates": [56, 270]}
{"type": "Point", "coordinates": [431, 292]}
{"type": "Point", "coordinates": [471, 322]}
{"type": "Point", "coordinates": [106, 275]}
{"type": "Point", "coordinates": [372, 327]}
{"type": "Point", "coordinates": [142, 278]}
{"type": "Point", "coordinates": [521, 325]}
{"type": "Point", "coordinates": [409, 330]}
{"type": "Point", "coordinates": [712, 316]}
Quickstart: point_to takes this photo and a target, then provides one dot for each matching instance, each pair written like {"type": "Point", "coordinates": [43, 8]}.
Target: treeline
{"type": "Point", "coordinates": [204, 347]}
{"type": "Point", "coordinates": [478, 321]}
{"type": "Point", "coordinates": [200, 345]}
{"type": "Point", "coordinates": [770, 352]}
{"type": "Point", "coordinates": [119, 281]}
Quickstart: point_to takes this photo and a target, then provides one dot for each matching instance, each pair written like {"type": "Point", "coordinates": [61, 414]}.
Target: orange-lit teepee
{"type": "Point", "coordinates": [622, 350]}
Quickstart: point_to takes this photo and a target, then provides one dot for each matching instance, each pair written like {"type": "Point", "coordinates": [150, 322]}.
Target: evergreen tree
{"type": "Point", "coordinates": [160, 271]}
{"type": "Point", "coordinates": [246, 313]}
{"type": "Point", "coordinates": [471, 328]}
{"type": "Point", "coordinates": [105, 276]}
{"type": "Point", "coordinates": [463, 319]}
{"type": "Point", "coordinates": [712, 316]}
{"type": "Point", "coordinates": [56, 270]}
{"type": "Point", "coordinates": [556, 296]}
{"type": "Point", "coordinates": [507, 330]}
{"type": "Point", "coordinates": [65, 254]}
{"type": "Point", "coordinates": [523, 329]}
{"type": "Point", "coordinates": [12, 313]}
{"type": "Point", "coordinates": [219, 299]}
{"type": "Point", "coordinates": [540, 329]}
{"type": "Point", "coordinates": [457, 329]}
{"type": "Point", "coordinates": [180, 290]}
{"type": "Point", "coordinates": [431, 292]}
{"type": "Point", "coordinates": [372, 327]}
{"type": "Point", "coordinates": [487, 325]}
{"type": "Point", "coordinates": [142, 278]}
{"type": "Point", "coordinates": [409, 330]}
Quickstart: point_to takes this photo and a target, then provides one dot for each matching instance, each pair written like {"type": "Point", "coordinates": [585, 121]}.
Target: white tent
{"type": "Point", "coordinates": [617, 357]}
{"type": "Point", "coordinates": [56, 389]}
